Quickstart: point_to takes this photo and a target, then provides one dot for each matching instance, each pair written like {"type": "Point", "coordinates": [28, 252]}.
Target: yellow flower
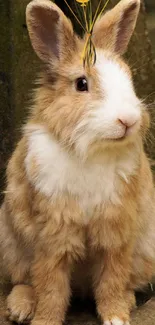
{"type": "Point", "coordinates": [87, 22]}
{"type": "Point", "coordinates": [83, 2]}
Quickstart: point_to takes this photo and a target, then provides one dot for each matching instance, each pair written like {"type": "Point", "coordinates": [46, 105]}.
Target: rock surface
{"type": "Point", "coordinates": [145, 314]}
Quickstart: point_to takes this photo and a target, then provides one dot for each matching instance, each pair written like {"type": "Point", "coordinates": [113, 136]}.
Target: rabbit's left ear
{"type": "Point", "coordinates": [114, 30]}
{"type": "Point", "coordinates": [51, 33]}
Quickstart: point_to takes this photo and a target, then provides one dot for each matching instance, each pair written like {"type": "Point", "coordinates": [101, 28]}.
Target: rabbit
{"type": "Point", "coordinates": [79, 205]}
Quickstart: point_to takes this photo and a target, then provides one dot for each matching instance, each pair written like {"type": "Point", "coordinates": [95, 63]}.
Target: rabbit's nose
{"type": "Point", "coordinates": [127, 123]}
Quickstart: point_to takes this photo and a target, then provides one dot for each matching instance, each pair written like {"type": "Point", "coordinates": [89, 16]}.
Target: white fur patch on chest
{"type": "Point", "coordinates": [92, 184]}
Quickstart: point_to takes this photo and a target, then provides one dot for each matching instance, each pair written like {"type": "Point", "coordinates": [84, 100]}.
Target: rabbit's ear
{"type": "Point", "coordinates": [114, 30]}
{"type": "Point", "coordinates": [50, 31]}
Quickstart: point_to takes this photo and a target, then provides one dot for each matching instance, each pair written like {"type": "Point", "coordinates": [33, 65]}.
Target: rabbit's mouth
{"type": "Point", "coordinates": [126, 134]}
{"type": "Point", "coordinates": [91, 137]}
{"type": "Point", "coordinates": [120, 139]}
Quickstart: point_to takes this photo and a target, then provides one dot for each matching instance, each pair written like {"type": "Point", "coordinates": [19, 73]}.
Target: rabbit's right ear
{"type": "Point", "coordinates": [50, 31]}
{"type": "Point", "coordinates": [115, 28]}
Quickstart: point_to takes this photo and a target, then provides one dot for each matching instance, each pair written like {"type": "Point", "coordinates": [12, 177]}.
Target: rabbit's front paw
{"type": "Point", "coordinates": [114, 312]}
{"type": "Point", "coordinates": [116, 321]}
{"type": "Point", "coordinates": [21, 304]}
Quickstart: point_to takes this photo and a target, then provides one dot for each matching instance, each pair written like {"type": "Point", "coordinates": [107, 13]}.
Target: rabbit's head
{"type": "Point", "coordinates": [86, 108]}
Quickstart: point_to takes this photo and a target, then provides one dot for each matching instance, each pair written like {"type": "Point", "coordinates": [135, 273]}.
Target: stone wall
{"type": "Point", "coordinates": [18, 66]}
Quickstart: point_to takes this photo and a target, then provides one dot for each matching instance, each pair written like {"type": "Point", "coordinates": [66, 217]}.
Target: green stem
{"type": "Point", "coordinates": [103, 8]}
{"type": "Point", "coordinates": [74, 15]}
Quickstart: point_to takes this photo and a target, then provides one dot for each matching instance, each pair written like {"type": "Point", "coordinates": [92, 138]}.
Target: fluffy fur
{"type": "Point", "coordinates": [79, 206]}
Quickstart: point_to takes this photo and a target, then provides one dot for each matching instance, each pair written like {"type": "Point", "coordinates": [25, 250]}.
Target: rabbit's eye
{"type": "Point", "coordinates": [82, 84]}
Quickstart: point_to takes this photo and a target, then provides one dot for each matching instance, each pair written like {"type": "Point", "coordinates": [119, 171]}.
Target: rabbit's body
{"type": "Point", "coordinates": [63, 220]}
{"type": "Point", "coordinates": [88, 190]}
{"type": "Point", "coordinates": [79, 201]}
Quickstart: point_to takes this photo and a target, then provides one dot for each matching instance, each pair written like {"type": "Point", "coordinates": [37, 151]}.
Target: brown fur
{"type": "Point", "coordinates": [45, 244]}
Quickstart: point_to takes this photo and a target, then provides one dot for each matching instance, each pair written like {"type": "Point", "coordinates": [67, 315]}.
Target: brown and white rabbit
{"type": "Point", "coordinates": [79, 193]}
